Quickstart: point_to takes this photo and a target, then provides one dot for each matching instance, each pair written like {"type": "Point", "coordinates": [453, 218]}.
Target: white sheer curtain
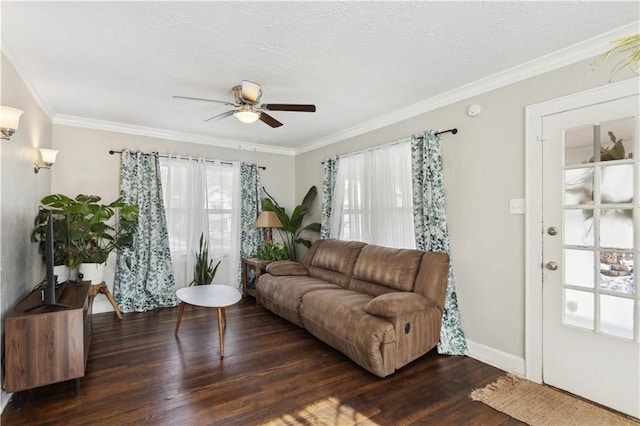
{"type": "Point", "coordinates": [372, 201]}
{"type": "Point", "coordinates": [202, 196]}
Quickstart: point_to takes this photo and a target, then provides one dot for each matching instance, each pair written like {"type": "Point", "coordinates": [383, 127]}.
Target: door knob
{"type": "Point", "coordinates": [552, 230]}
{"type": "Point", "coordinates": [552, 266]}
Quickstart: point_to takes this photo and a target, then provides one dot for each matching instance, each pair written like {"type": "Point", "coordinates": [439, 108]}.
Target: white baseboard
{"type": "Point", "coordinates": [496, 358]}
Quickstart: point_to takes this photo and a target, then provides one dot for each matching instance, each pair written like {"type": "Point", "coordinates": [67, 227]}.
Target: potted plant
{"type": "Point", "coordinates": [204, 272]}
{"type": "Point", "coordinates": [90, 236]}
{"type": "Point", "coordinates": [273, 251]}
{"type": "Point", "coordinates": [292, 225]}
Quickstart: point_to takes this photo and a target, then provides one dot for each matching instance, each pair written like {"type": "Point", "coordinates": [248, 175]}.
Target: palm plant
{"type": "Point", "coordinates": [629, 47]}
{"type": "Point", "coordinates": [204, 272]}
{"type": "Point", "coordinates": [291, 231]}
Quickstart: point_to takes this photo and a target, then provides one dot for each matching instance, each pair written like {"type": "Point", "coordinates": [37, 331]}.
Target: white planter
{"type": "Point", "coordinates": [93, 272]}
{"type": "Point", "coordinates": [62, 273]}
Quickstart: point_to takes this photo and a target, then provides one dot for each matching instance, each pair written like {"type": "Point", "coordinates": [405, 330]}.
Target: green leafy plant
{"type": "Point", "coordinates": [204, 272]}
{"type": "Point", "coordinates": [87, 236]}
{"type": "Point", "coordinates": [273, 251]}
{"type": "Point", "coordinates": [629, 47]}
{"type": "Point", "coordinates": [292, 228]}
{"type": "Point", "coordinates": [616, 152]}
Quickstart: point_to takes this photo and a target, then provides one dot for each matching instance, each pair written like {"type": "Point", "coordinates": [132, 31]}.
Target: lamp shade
{"type": "Point", "coordinates": [9, 117]}
{"type": "Point", "coordinates": [48, 156]}
{"type": "Point", "coordinates": [267, 219]}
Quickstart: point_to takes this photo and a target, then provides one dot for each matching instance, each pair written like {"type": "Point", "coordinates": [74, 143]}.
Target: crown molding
{"type": "Point", "coordinates": [6, 50]}
{"type": "Point", "coordinates": [70, 120]}
{"type": "Point", "coordinates": [578, 52]}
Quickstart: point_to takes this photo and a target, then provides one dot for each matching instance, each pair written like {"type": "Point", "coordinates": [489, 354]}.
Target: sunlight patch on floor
{"type": "Point", "coordinates": [329, 412]}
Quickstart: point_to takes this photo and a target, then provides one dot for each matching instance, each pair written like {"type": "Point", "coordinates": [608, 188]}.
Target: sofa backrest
{"type": "Point", "coordinates": [381, 270]}
{"type": "Point", "coordinates": [431, 281]}
{"type": "Point", "coordinates": [333, 260]}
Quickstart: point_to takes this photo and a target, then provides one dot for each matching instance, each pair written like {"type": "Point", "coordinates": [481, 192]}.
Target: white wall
{"type": "Point", "coordinates": [84, 166]}
{"type": "Point", "coordinates": [21, 268]}
{"type": "Point", "coordinates": [484, 168]}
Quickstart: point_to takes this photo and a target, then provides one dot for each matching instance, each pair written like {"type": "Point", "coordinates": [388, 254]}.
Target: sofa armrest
{"type": "Point", "coordinates": [395, 304]}
{"type": "Point", "coordinates": [286, 267]}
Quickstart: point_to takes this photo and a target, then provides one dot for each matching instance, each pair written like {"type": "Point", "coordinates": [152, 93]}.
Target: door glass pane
{"type": "Point", "coordinates": [578, 186]}
{"type": "Point", "coordinates": [578, 267]}
{"type": "Point", "coordinates": [616, 139]}
{"type": "Point", "coordinates": [616, 316]}
{"type": "Point", "coordinates": [616, 228]}
{"type": "Point", "coordinates": [578, 145]}
{"type": "Point", "coordinates": [616, 184]}
{"type": "Point", "coordinates": [578, 224]}
{"type": "Point", "coordinates": [578, 308]}
{"type": "Point", "coordinates": [616, 272]}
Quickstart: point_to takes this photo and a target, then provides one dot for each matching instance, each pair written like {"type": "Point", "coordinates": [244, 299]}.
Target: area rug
{"type": "Point", "coordinates": [540, 405]}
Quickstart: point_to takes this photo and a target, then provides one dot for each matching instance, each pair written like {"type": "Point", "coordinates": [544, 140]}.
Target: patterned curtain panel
{"type": "Point", "coordinates": [432, 234]}
{"type": "Point", "coordinates": [144, 275]}
{"type": "Point", "coordinates": [251, 238]}
{"type": "Point", "coordinates": [329, 173]}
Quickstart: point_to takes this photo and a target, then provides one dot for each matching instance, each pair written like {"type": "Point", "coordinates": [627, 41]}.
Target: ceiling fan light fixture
{"type": "Point", "coordinates": [247, 115]}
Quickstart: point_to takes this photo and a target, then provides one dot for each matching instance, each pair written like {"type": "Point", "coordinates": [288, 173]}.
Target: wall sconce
{"type": "Point", "coordinates": [9, 119]}
{"type": "Point", "coordinates": [267, 220]}
{"type": "Point", "coordinates": [48, 158]}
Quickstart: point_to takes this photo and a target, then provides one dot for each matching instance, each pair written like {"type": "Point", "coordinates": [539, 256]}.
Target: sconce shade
{"type": "Point", "coordinates": [9, 120]}
{"type": "Point", "coordinates": [48, 156]}
{"type": "Point", "coordinates": [267, 219]}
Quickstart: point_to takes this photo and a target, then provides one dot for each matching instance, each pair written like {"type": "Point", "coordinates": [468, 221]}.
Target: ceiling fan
{"type": "Point", "coordinates": [247, 95]}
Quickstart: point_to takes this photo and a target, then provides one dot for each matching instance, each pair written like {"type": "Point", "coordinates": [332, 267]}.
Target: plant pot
{"type": "Point", "coordinates": [93, 272]}
{"type": "Point", "coordinates": [62, 273]}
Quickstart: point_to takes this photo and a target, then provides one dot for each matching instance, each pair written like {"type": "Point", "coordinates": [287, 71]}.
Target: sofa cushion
{"type": "Point", "coordinates": [395, 304]}
{"type": "Point", "coordinates": [386, 267]}
{"type": "Point", "coordinates": [333, 260]}
{"type": "Point", "coordinates": [283, 294]}
{"type": "Point", "coordinates": [286, 267]}
{"type": "Point", "coordinates": [338, 318]}
{"type": "Point", "coordinates": [432, 278]}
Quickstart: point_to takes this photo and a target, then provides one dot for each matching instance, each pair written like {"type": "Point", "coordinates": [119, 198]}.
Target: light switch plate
{"type": "Point", "coordinates": [516, 206]}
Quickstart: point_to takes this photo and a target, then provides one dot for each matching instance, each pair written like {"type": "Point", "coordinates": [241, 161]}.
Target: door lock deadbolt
{"type": "Point", "coordinates": [552, 230]}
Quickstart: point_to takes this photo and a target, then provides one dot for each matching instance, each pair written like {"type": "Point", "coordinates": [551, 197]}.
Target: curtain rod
{"type": "Point", "coordinates": [452, 131]}
{"type": "Point", "coordinates": [111, 151]}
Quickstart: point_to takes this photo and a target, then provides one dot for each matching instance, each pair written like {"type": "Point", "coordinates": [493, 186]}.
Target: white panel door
{"type": "Point", "coordinates": [591, 235]}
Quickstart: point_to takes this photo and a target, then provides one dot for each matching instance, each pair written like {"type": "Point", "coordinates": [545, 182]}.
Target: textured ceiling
{"type": "Point", "coordinates": [123, 61]}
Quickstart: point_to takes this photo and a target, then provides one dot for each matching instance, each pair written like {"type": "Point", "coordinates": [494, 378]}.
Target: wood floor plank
{"type": "Point", "coordinates": [273, 371]}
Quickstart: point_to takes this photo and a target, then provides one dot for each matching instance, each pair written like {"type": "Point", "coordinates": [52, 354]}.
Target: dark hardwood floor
{"type": "Point", "coordinates": [140, 373]}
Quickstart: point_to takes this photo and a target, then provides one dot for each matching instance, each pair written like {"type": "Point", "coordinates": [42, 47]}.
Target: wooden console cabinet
{"type": "Point", "coordinates": [48, 344]}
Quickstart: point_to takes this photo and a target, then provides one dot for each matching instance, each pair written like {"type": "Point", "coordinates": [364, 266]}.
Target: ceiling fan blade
{"type": "Point", "coordinates": [220, 116]}
{"type": "Point", "coordinates": [289, 107]}
{"type": "Point", "coordinates": [266, 118]}
{"type": "Point", "coordinates": [251, 91]}
{"type": "Point", "coordinates": [205, 100]}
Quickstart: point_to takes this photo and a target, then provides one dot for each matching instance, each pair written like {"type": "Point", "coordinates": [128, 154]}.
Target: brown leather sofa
{"type": "Point", "coordinates": [382, 307]}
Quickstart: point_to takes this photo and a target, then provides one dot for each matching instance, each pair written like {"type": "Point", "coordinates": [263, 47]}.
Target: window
{"type": "Point", "coordinates": [373, 198]}
{"type": "Point", "coordinates": [202, 196]}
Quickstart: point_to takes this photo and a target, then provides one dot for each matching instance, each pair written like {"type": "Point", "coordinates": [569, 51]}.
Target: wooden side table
{"type": "Point", "coordinates": [249, 281]}
{"type": "Point", "coordinates": [103, 289]}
